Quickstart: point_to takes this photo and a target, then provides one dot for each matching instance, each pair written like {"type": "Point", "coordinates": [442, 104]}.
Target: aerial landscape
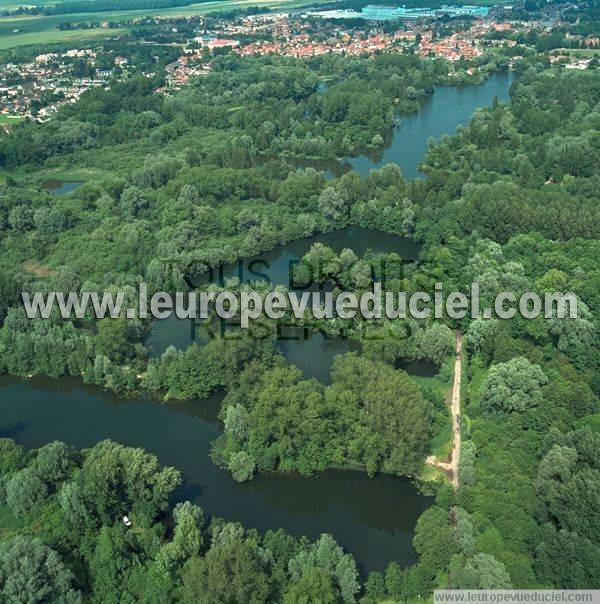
{"type": "Point", "coordinates": [299, 300]}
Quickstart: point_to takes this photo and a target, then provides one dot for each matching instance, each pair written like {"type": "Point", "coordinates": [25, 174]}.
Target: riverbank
{"type": "Point", "coordinates": [373, 518]}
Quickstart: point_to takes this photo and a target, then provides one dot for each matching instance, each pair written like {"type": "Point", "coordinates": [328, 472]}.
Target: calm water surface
{"type": "Point", "coordinates": [275, 267]}
{"type": "Point", "coordinates": [61, 187]}
{"type": "Point", "coordinates": [372, 518]}
{"type": "Point", "coordinates": [440, 113]}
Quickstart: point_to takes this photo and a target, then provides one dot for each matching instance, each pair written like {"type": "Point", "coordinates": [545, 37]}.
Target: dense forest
{"type": "Point", "coordinates": [63, 539]}
{"type": "Point", "coordinates": [184, 183]}
{"type": "Point", "coordinates": [327, 107]}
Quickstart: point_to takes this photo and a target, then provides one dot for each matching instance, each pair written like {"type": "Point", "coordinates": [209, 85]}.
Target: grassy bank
{"type": "Point", "coordinates": [55, 35]}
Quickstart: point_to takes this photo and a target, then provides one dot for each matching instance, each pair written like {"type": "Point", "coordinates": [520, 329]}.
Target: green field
{"type": "Point", "coordinates": [9, 119]}
{"type": "Point", "coordinates": [55, 35]}
{"type": "Point", "coordinates": [41, 29]}
{"type": "Point", "coordinates": [579, 52]}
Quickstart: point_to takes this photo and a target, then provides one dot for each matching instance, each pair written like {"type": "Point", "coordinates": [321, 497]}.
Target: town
{"type": "Point", "coordinates": [467, 36]}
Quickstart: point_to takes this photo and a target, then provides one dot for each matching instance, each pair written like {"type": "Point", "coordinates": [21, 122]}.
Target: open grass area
{"type": "Point", "coordinates": [441, 442]}
{"type": "Point", "coordinates": [9, 119]}
{"type": "Point", "coordinates": [55, 35]}
{"type": "Point", "coordinates": [580, 52]}
{"type": "Point", "coordinates": [74, 174]}
{"type": "Point", "coordinates": [43, 29]}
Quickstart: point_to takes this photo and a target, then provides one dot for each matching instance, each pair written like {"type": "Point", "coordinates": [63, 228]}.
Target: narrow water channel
{"type": "Point", "coordinates": [372, 518]}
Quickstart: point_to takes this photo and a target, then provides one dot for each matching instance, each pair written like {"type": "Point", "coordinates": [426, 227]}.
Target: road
{"type": "Point", "coordinates": [451, 465]}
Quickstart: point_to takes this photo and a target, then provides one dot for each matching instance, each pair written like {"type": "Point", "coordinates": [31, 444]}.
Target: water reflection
{"type": "Point", "coordinates": [61, 187]}
{"type": "Point", "coordinates": [373, 518]}
{"type": "Point", "coordinates": [405, 145]}
{"type": "Point", "coordinates": [274, 266]}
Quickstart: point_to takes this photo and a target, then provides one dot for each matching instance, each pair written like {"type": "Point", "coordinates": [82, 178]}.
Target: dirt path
{"type": "Point", "coordinates": [451, 465]}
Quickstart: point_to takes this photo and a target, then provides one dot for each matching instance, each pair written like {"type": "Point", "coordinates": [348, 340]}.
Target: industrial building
{"type": "Point", "coordinates": [385, 12]}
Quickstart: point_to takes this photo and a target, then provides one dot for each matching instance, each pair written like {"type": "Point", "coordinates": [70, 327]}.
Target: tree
{"type": "Point", "coordinates": [133, 202]}
{"type": "Point", "coordinates": [333, 205]}
{"type": "Point", "coordinates": [482, 571]}
{"type": "Point", "coordinates": [109, 564]}
{"type": "Point", "coordinates": [566, 560]}
{"type": "Point", "coordinates": [114, 339]}
{"type": "Point", "coordinates": [301, 189]}
{"type": "Point", "coordinates": [481, 334]}
{"type": "Point", "coordinates": [436, 342]}
{"type": "Point", "coordinates": [512, 386]}
{"type": "Point", "coordinates": [72, 503]}
{"type": "Point", "coordinates": [9, 294]}
{"type": "Point", "coordinates": [465, 534]}
{"type": "Point", "coordinates": [394, 577]}
{"type": "Point", "coordinates": [466, 465]}
{"type": "Point", "coordinates": [189, 196]}
{"type": "Point", "coordinates": [241, 466]}
{"type": "Point", "coordinates": [229, 573]}
{"type": "Point", "coordinates": [54, 462]}
{"type": "Point", "coordinates": [13, 456]}
{"type": "Point", "coordinates": [24, 491]}
{"type": "Point", "coordinates": [32, 572]}
{"type": "Point", "coordinates": [375, 588]}
{"type": "Point", "coordinates": [377, 140]}
{"type": "Point", "coordinates": [116, 480]}
{"type": "Point", "coordinates": [51, 221]}
{"type": "Point", "coordinates": [314, 586]}
{"type": "Point", "coordinates": [328, 556]}
{"type": "Point", "coordinates": [236, 423]}
{"type": "Point", "coordinates": [20, 218]}
{"type": "Point", "coordinates": [187, 536]}
{"type": "Point", "coordinates": [434, 538]}
{"type": "Point", "coordinates": [557, 464]}
{"type": "Point", "coordinates": [391, 414]}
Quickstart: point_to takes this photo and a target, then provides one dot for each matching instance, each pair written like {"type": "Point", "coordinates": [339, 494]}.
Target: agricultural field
{"type": "Point", "coordinates": [20, 30]}
{"type": "Point", "coordinates": [55, 35]}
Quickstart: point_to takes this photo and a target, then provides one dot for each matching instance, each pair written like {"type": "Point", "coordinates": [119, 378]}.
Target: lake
{"type": "Point", "coordinates": [274, 266]}
{"type": "Point", "coordinates": [440, 113]}
{"type": "Point", "coordinates": [372, 518]}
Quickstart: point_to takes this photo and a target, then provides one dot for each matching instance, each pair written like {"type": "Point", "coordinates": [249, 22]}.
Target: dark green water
{"type": "Point", "coordinates": [440, 113]}
{"type": "Point", "coordinates": [274, 266]}
{"type": "Point", "coordinates": [61, 187]}
{"type": "Point", "coordinates": [372, 518]}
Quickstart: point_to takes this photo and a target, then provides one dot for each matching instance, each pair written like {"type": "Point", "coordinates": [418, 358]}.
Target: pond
{"type": "Point", "coordinates": [61, 187]}
{"type": "Point", "coordinates": [372, 518]}
{"type": "Point", "coordinates": [440, 113]}
{"type": "Point", "coordinates": [275, 266]}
